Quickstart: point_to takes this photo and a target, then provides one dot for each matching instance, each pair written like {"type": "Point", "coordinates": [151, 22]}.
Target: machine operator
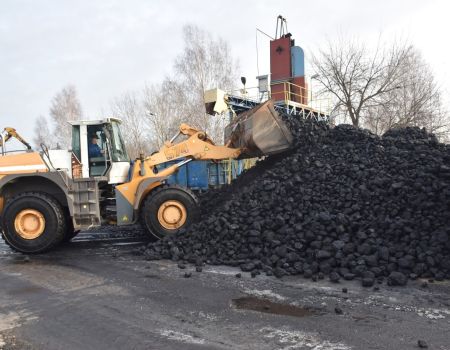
{"type": "Point", "coordinates": [94, 148]}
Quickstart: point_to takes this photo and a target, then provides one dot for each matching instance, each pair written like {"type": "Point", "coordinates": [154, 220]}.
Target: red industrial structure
{"type": "Point", "coordinates": [287, 67]}
{"type": "Point", "coordinates": [286, 85]}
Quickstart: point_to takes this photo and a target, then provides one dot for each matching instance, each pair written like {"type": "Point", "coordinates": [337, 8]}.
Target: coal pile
{"type": "Point", "coordinates": [343, 204]}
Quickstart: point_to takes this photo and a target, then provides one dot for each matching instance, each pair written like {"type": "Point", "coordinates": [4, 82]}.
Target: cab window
{"type": "Point", "coordinates": [76, 148]}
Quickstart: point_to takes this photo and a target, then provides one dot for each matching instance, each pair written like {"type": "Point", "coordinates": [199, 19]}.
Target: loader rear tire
{"type": "Point", "coordinates": [33, 223]}
{"type": "Point", "coordinates": [169, 209]}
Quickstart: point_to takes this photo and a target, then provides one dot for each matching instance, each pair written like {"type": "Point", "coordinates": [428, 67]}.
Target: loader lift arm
{"type": "Point", "coordinates": [8, 133]}
{"type": "Point", "coordinates": [198, 146]}
{"type": "Point", "coordinates": [255, 133]}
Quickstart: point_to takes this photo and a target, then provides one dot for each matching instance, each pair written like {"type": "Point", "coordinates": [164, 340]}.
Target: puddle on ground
{"type": "Point", "coordinates": [18, 261]}
{"type": "Point", "coordinates": [270, 307]}
{"type": "Point", "coordinates": [26, 290]}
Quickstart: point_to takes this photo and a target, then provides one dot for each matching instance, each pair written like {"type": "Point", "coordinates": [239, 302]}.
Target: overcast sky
{"type": "Point", "coordinates": [106, 48]}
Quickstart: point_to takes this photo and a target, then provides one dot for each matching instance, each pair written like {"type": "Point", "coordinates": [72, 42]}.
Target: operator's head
{"type": "Point", "coordinates": [94, 139]}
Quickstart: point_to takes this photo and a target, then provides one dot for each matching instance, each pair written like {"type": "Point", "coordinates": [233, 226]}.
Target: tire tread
{"type": "Point", "coordinates": [153, 194]}
{"type": "Point", "coordinates": [60, 216]}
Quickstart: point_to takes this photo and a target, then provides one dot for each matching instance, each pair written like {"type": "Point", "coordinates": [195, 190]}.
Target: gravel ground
{"type": "Point", "coordinates": [95, 294]}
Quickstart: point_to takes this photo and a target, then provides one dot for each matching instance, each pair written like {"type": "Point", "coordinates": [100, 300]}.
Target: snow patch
{"type": "Point", "coordinates": [290, 340]}
{"type": "Point", "coordinates": [430, 313]}
{"type": "Point", "coordinates": [9, 321]}
{"type": "Point", "coordinates": [433, 314]}
{"type": "Point", "coordinates": [178, 336]}
{"type": "Point", "coordinates": [226, 272]}
{"type": "Point", "coordinates": [207, 316]}
{"type": "Point", "coordinates": [12, 320]}
{"type": "Point", "coordinates": [264, 293]}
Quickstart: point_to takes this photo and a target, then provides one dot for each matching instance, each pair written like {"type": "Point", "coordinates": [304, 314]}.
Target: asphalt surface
{"type": "Point", "coordinates": [93, 293]}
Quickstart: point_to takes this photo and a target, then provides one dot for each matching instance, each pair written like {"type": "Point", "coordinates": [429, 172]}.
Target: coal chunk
{"type": "Point", "coordinates": [248, 267]}
{"type": "Point", "coordinates": [338, 310]}
{"type": "Point", "coordinates": [368, 282]}
{"type": "Point", "coordinates": [422, 344]}
{"type": "Point", "coordinates": [323, 254]}
{"type": "Point", "coordinates": [397, 279]}
{"type": "Point", "coordinates": [334, 277]}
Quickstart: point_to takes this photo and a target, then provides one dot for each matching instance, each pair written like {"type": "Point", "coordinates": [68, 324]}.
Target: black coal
{"type": "Point", "coordinates": [343, 204]}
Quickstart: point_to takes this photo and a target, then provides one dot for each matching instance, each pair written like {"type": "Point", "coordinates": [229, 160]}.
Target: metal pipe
{"type": "Point", "coordinates": [175, 136]}
{"type": "Point", "coordinates": [173, 168]}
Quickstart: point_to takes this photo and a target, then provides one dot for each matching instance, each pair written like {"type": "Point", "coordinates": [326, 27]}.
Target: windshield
{"type": "Point", "coordinates": [118, 150]}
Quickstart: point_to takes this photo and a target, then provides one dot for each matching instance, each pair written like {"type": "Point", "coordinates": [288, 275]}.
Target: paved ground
{"type": "Point", "coordinates": [95, 294]}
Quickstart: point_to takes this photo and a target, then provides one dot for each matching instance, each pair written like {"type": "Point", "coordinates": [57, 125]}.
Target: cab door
{"type": "Point", "coordinates": [98, 155]}
{"type": "Point", "coordinates": [120, 160]}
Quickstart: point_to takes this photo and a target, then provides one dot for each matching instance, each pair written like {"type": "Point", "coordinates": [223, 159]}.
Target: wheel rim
{"type": "Point", "coordinates": [172, 215]}
{"type": "Point", "coordinates": [29, 224]}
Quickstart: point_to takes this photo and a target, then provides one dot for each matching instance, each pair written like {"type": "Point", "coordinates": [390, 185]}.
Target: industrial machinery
{"type": "Point", "coordinates": [46, 197]}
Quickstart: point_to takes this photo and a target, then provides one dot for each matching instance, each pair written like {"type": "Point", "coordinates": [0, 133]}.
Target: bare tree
{"type": "Point", "coordinates": [416, 102]}
{"type": "Point", "coordinates": [205, 63]}
{"type": "Point", "coordinates": [166, 109]}
{"type": "Point", "coordinates": [65, 106]}
{"type": "Point", "coordinates": [42, 133]}
{"type": "Point", "coordinates": [359, 77]}
{"type": "Point", "coordinates": [129, 108]}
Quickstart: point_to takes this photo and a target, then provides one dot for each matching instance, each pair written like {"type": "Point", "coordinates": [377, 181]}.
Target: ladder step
{"type": "Point", "coordinates": [89, 201]}
{"type": "Point", "coordinates": [86, 215]}
{"type": "Point", "coordinates": [84, 190]}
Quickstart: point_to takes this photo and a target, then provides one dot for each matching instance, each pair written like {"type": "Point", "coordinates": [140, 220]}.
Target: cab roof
{"type": "Point", "coordinates": [95, 122]}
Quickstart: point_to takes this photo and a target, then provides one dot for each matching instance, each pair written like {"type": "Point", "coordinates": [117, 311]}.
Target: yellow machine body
{"type": "Point", "coordinates": [65, 180]}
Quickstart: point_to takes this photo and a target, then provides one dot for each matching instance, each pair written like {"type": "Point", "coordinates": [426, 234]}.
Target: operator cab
{"type": "Point", "coordinates": [99, 151]}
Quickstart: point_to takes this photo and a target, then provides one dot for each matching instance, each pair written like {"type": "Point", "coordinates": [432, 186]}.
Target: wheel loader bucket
{"type": "Point", "coordinates": [259, 132]}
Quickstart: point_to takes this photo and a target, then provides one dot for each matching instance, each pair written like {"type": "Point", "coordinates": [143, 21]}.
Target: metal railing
{"type": "Point", "coordinates": [290, 94]}
{"type": "Point", "coordinates": [302, 97]}
{"type": "Point", "coordinates": [225, 171]}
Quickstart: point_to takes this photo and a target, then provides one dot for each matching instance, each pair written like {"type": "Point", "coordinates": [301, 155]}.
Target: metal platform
{"type": "Point", "coordinates": [291, 99]}
{"type": "Point", "coordinates": [300, 110]}
{"type": "Point", "coordinates": [241, 104]}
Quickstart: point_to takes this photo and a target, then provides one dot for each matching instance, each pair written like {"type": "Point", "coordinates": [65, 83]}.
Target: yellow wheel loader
{"type": "Point", "coordinates": [47, 196]}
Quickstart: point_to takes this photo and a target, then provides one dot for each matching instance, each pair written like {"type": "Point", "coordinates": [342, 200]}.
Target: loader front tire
{"type": "Point", "coordinates": [33, 222]}
{"type": "Point", "coordinates": [169, 209]}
